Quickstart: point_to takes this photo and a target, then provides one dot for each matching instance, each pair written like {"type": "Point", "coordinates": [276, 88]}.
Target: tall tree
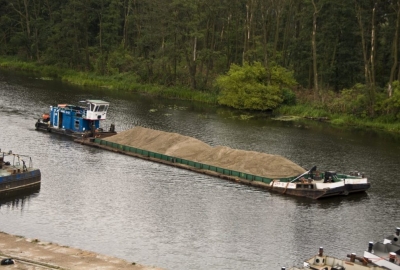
{"type": "Point", "coordinates": [395, 48]}
{"type": "Point", "coordinates": [314, 48]}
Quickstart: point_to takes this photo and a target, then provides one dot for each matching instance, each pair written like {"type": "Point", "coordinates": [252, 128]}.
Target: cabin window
{"type": "Point", "coordinates": [91, 107]}
{"type": "Point", "coordinates": [101, 108]}
{"type": "Point", "coordinates": [97, 109]}
{"type": "Point", "coordinates": [76, 124]}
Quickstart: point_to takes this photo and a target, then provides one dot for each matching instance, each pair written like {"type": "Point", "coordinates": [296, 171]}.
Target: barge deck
{"type": "Point", "coordinates": [310, 184]}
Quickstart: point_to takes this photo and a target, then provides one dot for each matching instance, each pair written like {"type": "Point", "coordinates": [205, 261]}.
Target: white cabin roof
{"type": "Point", "coordinates": [97, 101]}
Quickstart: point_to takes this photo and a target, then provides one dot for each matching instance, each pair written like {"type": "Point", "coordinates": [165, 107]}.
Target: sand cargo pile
{"type": "Point", "coordinates": [272, 172]}
{"type": "Point", "coordinates": [177, 145]}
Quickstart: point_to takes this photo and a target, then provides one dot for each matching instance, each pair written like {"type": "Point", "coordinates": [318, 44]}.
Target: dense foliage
{"type": "Point", "coordinates": [345, 50]}
{"type": "Point", "coordinates": [254, 86]}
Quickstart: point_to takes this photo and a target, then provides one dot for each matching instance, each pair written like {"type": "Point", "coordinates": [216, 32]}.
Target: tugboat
{"type": "Point", "coordinates": [17, 174]}
{"type": "Point", "coordinates": [77, 121]}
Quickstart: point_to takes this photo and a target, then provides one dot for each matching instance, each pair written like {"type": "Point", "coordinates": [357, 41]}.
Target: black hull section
{"type": "Point", "coordinates": [19, 193]}
{"type": "Point", "coordinates": [355, 188]}
{"type": "Point", "coordinates": [20, 183]}
{"type": "Point", "coordinates": [46, 128]}
{"type": "Point", "coordinates": [311, 193]}
{"type": "Point", "coordinates": [308, 193]}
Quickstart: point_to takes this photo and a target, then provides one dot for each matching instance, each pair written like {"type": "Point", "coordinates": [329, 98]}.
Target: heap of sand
{"type": "Point", "coordinates": [176, 145]}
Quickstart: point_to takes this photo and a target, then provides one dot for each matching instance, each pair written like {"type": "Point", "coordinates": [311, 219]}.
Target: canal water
{"type": "Point", "coordinates": [163, 216]}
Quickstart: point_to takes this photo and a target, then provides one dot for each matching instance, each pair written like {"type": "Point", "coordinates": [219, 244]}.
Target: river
{"type": "Point", "coordinates": [163, 216]}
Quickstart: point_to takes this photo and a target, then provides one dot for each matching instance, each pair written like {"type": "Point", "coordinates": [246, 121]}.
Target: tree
{"type": "Point", "coordinates": [396, 7]}
{"type": "Point", "coordinates": [314, 48]}
{"type": "Point", "coordinates": [254, 86]}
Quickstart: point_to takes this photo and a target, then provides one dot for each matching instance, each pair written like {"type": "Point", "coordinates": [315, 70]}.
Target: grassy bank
{"type": "Point", "coordinates": [128, 82]}
{"type": "Point", "coordinates": [340, 120]}
{"type": "Point", "coordinates": [121, 82]}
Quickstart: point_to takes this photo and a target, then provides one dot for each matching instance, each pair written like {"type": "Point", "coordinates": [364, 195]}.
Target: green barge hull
{"type": "Point", "coordinates": [314, 189]}
{"type": "Point", "coordinates": [181, 163]}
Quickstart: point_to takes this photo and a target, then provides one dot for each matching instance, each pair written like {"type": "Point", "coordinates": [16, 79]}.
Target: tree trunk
{"type": "Point", "coordinates": [278, 10]}
{"type": "Point", "coordinates": [395, 51]}
{"type": "Point", "coordinates": [372, 56]}
{"type": "Point", "coordinates": [126, 24]}
{"type": "Point", "coordinates": [86, 33]}
{"type": "Point", "coordinates": [367, 71]}
{"type": "Point", "coordinates": [25, 24]}
{"type": "Point", "coordinates": [36, 12]}
{"type": "Point", "coordinates": [248, 28]}
{"type": "Point", "coordinates": [192, 65]}
{"type": "Point", "coordinates": [288, 28]}
{"type": "Point", "coordinates": [314, 50]}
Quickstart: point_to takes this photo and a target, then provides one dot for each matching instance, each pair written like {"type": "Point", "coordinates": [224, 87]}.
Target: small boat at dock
{"type": "Point", "coordinates": [324, 262]}
{"type": "Point", "coordinates": [385, 253]}
{"type": "Point", "coordinates": [17, 174]}
{"type": "Point", "coordinates": [380, 255]}
{"type": "Point", "coordinates": [77, 120]}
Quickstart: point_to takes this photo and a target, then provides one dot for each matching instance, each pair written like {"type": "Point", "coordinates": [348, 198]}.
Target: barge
{"type": "Point", "coordinates": [77, 120]}
{"type": "Point", "coordinates": [276, 173]}
{"type": "Point", "coordinates": [303, 183]}
{"type": "Point", "coordinates": [17, 175]}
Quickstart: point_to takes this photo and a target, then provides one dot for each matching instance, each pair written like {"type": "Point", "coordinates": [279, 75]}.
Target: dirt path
{"type": "Point", "coordinates": [32, 254]}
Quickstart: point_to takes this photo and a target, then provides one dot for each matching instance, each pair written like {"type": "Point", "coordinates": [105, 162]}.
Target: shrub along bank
{"type": "Point", "coordinates": [351, 108]}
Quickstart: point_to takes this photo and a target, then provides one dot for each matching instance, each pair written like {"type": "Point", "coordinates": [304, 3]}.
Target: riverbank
{"type": "Point", "coordinates": [124, 82]}
{"type": "Point", "coordinates": [33, 254]}
{"type": "Point", "coordinates": [304, 109]}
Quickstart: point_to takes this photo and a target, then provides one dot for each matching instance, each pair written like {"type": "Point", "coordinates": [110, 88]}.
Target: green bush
{"type": "Point", "coordinates": [254, 87]}
{"type": "Point", "coordinates": [289, 97]}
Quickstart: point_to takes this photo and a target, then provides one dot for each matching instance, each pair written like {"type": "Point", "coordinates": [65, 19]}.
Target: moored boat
{"type": "Point", "coordinates": [17, 174]}
{"type": "Point", "coordinates": [77, 121]}
{"type": "Point", "coordinates": [324, 262]}
{"type": "Point", "coordinates": [385, 253]}
{"type": "Point", "coordinates": [380, 255]}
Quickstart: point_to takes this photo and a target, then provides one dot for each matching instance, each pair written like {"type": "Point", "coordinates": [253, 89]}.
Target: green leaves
{"type": "Point", "coordinates": [254, 86]}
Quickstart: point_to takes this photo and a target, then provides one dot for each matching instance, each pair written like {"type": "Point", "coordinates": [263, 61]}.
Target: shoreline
{"type": "Point", "coordinates": [302, 109]}
{"type": "Point", "coordinates": [33, 254]}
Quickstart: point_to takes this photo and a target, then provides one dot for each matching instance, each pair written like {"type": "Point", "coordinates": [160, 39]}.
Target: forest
{"type": "Point", "coordinates": [341, 55]}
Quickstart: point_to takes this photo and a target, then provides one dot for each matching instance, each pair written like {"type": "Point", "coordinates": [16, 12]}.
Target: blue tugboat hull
{"type": "Point", "coordinates": [76, 121]}
{"type": "Point", "coordinates": [19, 183]}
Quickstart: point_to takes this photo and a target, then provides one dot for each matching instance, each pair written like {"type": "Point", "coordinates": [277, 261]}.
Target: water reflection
{"type": "Point", "coordinates": [19, 200]}
{"type": "Point", "coordinates": [160, 215]}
